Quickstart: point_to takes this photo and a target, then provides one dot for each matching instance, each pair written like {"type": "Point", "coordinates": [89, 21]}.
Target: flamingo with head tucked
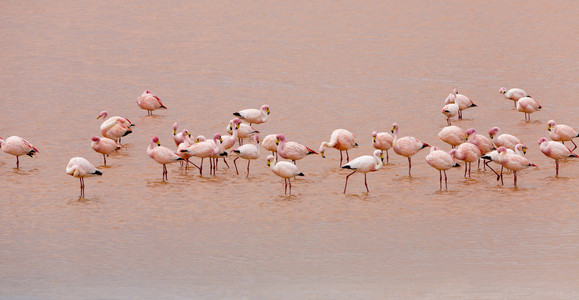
{"type": "Point", "coordinates": [104, 146]}
{"type": "Point", "coordinates": [254, 116]}
{"type": "Point", "coordinates": [513, 94]}
{"type": "Point", "coordinates": [182, 136]}
{"type": "Point", "coordinates": [556, 151]}
{"type": "Point", "coordinates": [562, 133]}
{"type": "Point", "coordinates": [452, 135]}
{"type": "Point", "coordinates": [406, 146]}
{"type": "Point", "coordinates": [528, 106]}
{"type": "Point", "coordinates": [149, 102]}
{"type": "Point", "coordinates": [342, 140]}
{"type": "Point", "coordinates": [463, 101]}
{"type": "Point", "coordinates": [509, 141]}
{"type": "Point", "coordinates": [292, 150]}
{"type": "Point", "coordinates": [468, 153]}
{"type": "Point", "coordinates": [441, 161]}
{"type": "Point", "coordinates": [80, 168]}
{"type": "Point", "coordinates": [161, 155]}
{"type": "Point", "coordinates": [364, 164]}
{"type": "Point", "coordinates": [450, 110]}
{"type": "Point", "coordinates": [17, 146]}
{"type": "Point", "coordinates": [285, 170]}
{"type": "Point", "coordinates": [115, 127]}
{"type": "Point", "coordinates": [205, 149]}
{"type": "Point", "coordinates": [513, 162]}
{"type": "Point", "coordinates": [382, 141]}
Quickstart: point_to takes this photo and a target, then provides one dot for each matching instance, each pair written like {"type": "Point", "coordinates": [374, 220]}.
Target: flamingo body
{"type": "Point", "coordinates": [150, 102]}
{"type": "Point", "coordinates": [254, 116]}
{"type": "Point", "coordinates": [528, 106]}
{"type": "Point", "coordinates": [364, 164]}
{"type": "Point", "coordinates": [513, 94]}
{"type": "Point", "coordinates": [508, 141]}
{"type": "Point", "coordinates": [382, 141]}
{"type": "Point", "coordinates": [17, 146]}
{"type": "Point", "coordinates": [452, 135]}
{"type": "Point", "coordinates": [285, 170]}
{"type": "Point", "coordinates": [247, 151]}
{"type": "Point", "coordinates": [441, 161]}
{"type": "Point", "coordinates": [80, 168]}
{"type": "Point", "coordinates": [292, 150]}
{"type": "Point", "coordinates": [562, 133]}
{"type": "Point", "coordinates": [341, 140]}
{"type": "Point", "coordinates": [161, 155]}
{"type": "Point", "coordinates": [104, 146]}
{"type": "Point", "coordinates": [555, 151]}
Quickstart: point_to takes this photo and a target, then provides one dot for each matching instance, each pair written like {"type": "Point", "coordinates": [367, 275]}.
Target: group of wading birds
{"type": "Point", "coordinates": [504, 149]}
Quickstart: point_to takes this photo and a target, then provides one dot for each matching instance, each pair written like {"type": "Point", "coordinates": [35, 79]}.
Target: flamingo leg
{"type": "Point", "coordinates": [248, 162]}
{"type": "Point", "coordinates": [285, 186]}
{"type": "Point", "coordinates": [387, 158]}
{"type": "Point", "coordinates": [409, 166]}
{"type": "Point", "coordinates": [440, 172]}
{"type": "Point", "coordinates": [235, 164]}
{"type": "Point", "coordinates": [340, 158]}
{"type": "Point", "coordinates": [502, 182]}
{"type": "Point", "coordinates": [17, 163]}
{"type": "Point", "coordinates": [347, 156]}
{"type": "Point", "coordinates": [515, 172]}
{"type": "Point", "coordinates": [573, 145]}
{"type": "Point", "coordinates": [469, 168]}
{"type": "Point", "coordinates": [201, 168]}
{"type": "Point", "coordinates": [210, 166]}
{"type": "Point", "coordinates": [556, 167]}
{"type": "Point", "coordinates": [445, 181]}
{"type": "Point", "coordinates": [225, 161]}
{"type": "Point", "coordinates": [290, 185]}
{"type": "Point", "coordinates": [345, 186]}
{"type": "Point", "coordinates": [366, 183]}
{"type": "Point", "coordinates": [487, 164]}
{"type": "Point", "coordinates": [105, 159]}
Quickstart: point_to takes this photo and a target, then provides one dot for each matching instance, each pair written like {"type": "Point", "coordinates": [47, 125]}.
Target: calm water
{"type": "Point", "coordinates": [320, 66]}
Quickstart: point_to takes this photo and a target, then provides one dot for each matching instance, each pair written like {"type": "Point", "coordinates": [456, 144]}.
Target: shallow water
{"type": "Point", "coordinates": [320, 66]}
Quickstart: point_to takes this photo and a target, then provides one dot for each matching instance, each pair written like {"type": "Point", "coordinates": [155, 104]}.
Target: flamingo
{"type": "Point", "coordinates": [162, 155]}
{"type": "Point", "coordinates": [364, 164]}
{"type": "Point", "coordinates": [450, 110]}
{"type": "Point", "coordinates": [406, 146]}
{"type": "Point", "coordinates": [291, 150]}
{"type": "Point", "coordinates": [254, 116]}
{"type": "Point", "coordinates": [441, 161]}
{"type": "Point", "coordinates": [342, 140]}
{"type": "Point", "coordinates": [493, 156]}
{"type": "Point", "coordinates": [269, 143]}
{"type": "Point", "coordinates": [104, 146]}
{"type": "Point", "coordinates": [115, 127]}
{"type": "Point", "coordinates": [513, 162]}
{"type": "Point", "coordinates": [382, 141]}
{"type": "Point", "coordinates": [17, 146]}
{"type": "Point", "coordinates": [248, 151]}
{"type": "Point", "coordinates": [528, 106]}
{"type": "Point", "coordinates": [80, 168]}
{"type": "Point", "coordinates": [468, 153]}
{"type": "Point", "coordinates": [562, 133]}
{"type": "Point", "coordinates": [205, 149]}
{"type": "Point", "coordinates": [463, 102]}
{"type": "Point", "coordinates": [180, 137]}
{"type": "Point", "coordinates": [452, 135]}
{"type": "Point", "coordinates": [556, 151]}
{"type": "Point", "coordinates": [149, 102]}
{"type": "Point", "coordinates": [229, 140]}
{"type": "Point", "coordinates": [509, 141]}
{"type": "Point", "coordinates": [513, 94]}
{"type": "Point", "coordinates": [482, 142]}
{"type": "Point", "coordinates": [244, 131]}
{"type": "Point", "coordinates": [285, 170]}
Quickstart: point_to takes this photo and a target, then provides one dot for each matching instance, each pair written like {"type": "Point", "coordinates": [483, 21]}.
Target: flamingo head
{"type": "Point", "coordinates": [236, 122]}
{"type": "Point", "coordinates": [265, 108]}
{"type": "Point", "coordinates": [378, 153]}
{"type": "Point", "coordinates": [455, 91]}
{"type": "Point", "coordinates": [175, 125]}
{"type": "Point", "coordinates": [200, 138]}
{"type": "Point", "coordinates": [394, 127]}
{"type": "Point", "coordinates": [147, 92]}
{"type": "Point", "coordinates": [155, 140]}
{"type": "Point", "coordinates": [542, 140]}
{"type": "Point", "coordinates": [256, 138]}
{"type": "Point", "coordinates": [270, 158]}
{"type": "Point", "coordinates": [103, 114]}
{"type": "Point", "coordinates": [493, 131]}
{"type": "Point", "coordinates": [502, 90]}
{"type": "Point", "coordinates": [522, 148]}
{"type": "Point", "coordinates": [279, 138]}
{"type": "Point", "coordinates": [551, 124]}
{"type": "Point", "coordinates": [433, 148]}
{"type": "Point", "coordinates": [322, 150]}
{"type": "Point", "coordinates": [452, 152]}
{"type": "Point", "coordinates": [95, 138]}
{"type": "Point", "coordinates": [217, 137]}
{"type": "Point", "coordinates": [469, 132]}
{"type": "Point", "coordinates": [502, 149]}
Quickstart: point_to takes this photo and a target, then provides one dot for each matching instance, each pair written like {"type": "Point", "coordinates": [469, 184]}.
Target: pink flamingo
{"type": "Point", "coordinates": [513, 94]}
{"type": "Point", "coordinates": [80, 168]}
{"type": "Point", "coordinates": [104, 146]}
{"type": "Point", "coordinates": [292, 150]}
{"type": "Point", "coordinates": [382, 141]}
{"type": "Point", "coordinates": [493, 156]}
{"type": "Point", "coordinates": [342, 140]}
{"type": "Point", "coordinates": [468, 153]}
{"type": "Point", "coordinates": [509, 141]}
{"type": "Point", "coordinates": [115, 127]}
{"type": "Point", "coordinates": [463, 101]}
{"type": "Point", "coordinates": [513, 162]}
{"type": "Point", "coordinates": [482, 142]}
{"type": "Point", "coordinates": [248, 151]}
{"type": "Point", "coordinates": [528, 106]}
{"type": "Point", "coordinates": [406, 146]}
{"type": "Point", "coordinates": [149, 102]}
{"type": "Point", "coordinates": [269, 143]}
{"type": "Point", "coordinates": [441, 161]}
{"type": "Point", "coordinates": [229, 140]}
{"type": "Point", "coordinates": [285, 170]}
{"type": "Point", "coordinates": [452, 135]}
{"type": "Point", "coordinates": [206, 149]}
{"type": "Point", "coordinates": [180, 137]}
{"type": "Point", "coordinates": [243, 131]}
{"type": "Point", "coordinates": [562, 133]}
{"type": "Point", "coordinates": [162, 155]}
{"type": "Point", "coordinates": [254, 116]}
{"type": "Point", "coordinates": [555, 151]}
{"type": "Point", "coordinates": [17, 146]}
{"type": "Point", "coordinates": [364, 164]}
{"type": "Point", "coordinates": [450, 110]}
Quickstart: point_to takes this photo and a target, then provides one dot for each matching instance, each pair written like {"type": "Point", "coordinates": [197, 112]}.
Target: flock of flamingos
{"type": "Point", "coordinates": [468, 146]}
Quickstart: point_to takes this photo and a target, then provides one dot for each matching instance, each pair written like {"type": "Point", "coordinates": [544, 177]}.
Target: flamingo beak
{"type": "Point", "coordinates": [174, 131]}
{"type": "Point", "coordinates": [467, 136]}
{"type": "Point", "coordinates": [268, 111]}
{"type": "Point", "coordinates": [277, 141]}
{"type": "Point", "coordinates": [374, 140]}
{"type": "Point", "coordinates": [158, 143]}
{"type": "Point", "coordinates": [549, 128]}
{"type": "Point", "coordinates": [382, 157]}
{"type": "Point", "coordinates": [491, 135]}
{"type": "Point", "coordinates": [323, 155]}
{"type": "Point", "coordinates": [392, 130]}
{"type": "Point", "coordinates": [268, 163]}
{"type": "Point", "coordinates": [524, 150]}
{"type": "Point", "coordinates": [237, 126]}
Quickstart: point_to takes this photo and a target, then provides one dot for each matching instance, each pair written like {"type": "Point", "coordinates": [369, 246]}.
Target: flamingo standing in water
{"type": "Point", "coordinates": [513, 94]}
{"type": "Point", "coordinates": [248, 151]}
{"type": "Point", "coordinates": [450, 110]}
{"type": "Point", "coordinates": [80, 168]}
{"type": "Point", "coordinates": [528, 106]}
{"type": "Point", "coordinates": [149, 102]}
{"type": "Point", "coordinates": [115, 127]}
{"type": "Point", "coordinates": [285, 170]}
{"type": "Point", "coordinates": [483, 143]}
{"type": "Point", "coordinates": [182, 136]}
{"type": "Point", "coordinates": [205, 149]}
{"type": "Point", "coordinates": [17, 146]}
{"type": "Point", "coordinates": [364, 164]}
{"type": "Point", "coordinates": [494, 156]}
{"type": "Point", "coordinates": [342, 140]}
{"type": "Point", "coordinates": [406, 146]}
{"type": "Point", "coordinates": [382, 141]}
{"type": "Point", "coordinates": [441, 161]}
{"type": "Point", "coordinates": [452, 135]}
{"type": "Point", "coordinates": [509, 141]}
{"type": "Point", "coordinates": [162, 155]}
{"type": "Point", "coordinates": [562, 133]}
{"type": "Point", "coordinates": [555, 151]}
{"type": "Point", "coordinates": [254, 116]}
{"type": "Point", "coordinates": [229, 140]}
{"type": "Point", "coordinates": [292, 150]}
{"type": "Point", "coordinates": [513, 162]}
{"type": "Point", "coordinates": [468, 153]}
{"type": "Point", "coordinates": [104, 146]}
{"type": "Point", "coordinates": [463, 101]}
{"type": "Point", "coordinates": [269, 143]}
{"type": "Point", "coordinates": [243, 131]}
